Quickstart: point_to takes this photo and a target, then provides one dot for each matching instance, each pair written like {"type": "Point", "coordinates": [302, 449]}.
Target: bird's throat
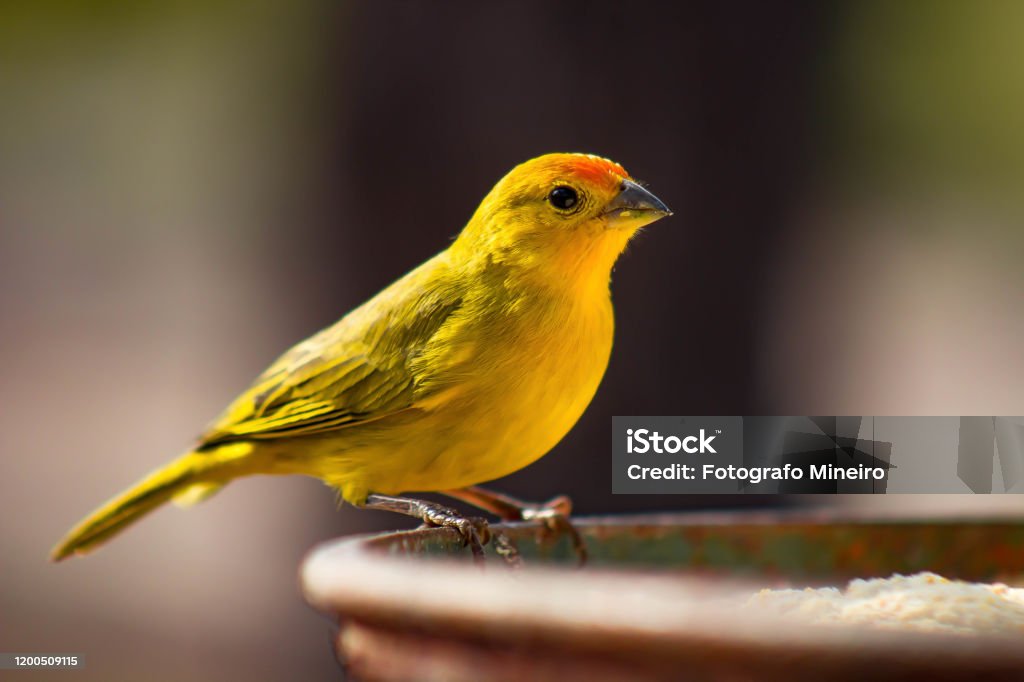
{"type": "Point", "coordinates": [584, 265]}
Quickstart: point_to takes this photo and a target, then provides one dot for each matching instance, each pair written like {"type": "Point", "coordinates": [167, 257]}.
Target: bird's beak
{"type": "Point", "coordinates": [634, 207]}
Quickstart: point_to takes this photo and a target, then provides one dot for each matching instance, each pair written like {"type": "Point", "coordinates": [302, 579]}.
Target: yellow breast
{"type": "Point", "coordinates": [518, 394]}
{"type": "Point", "coordinates": [550, 382]}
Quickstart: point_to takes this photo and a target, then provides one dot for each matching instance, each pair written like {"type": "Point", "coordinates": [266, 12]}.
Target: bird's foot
{"type": "Point", "coordinates": [554, 514]}
{"type": "Point", "coordinates": [475, 531]}
{"type": "Point", "coordinates": [507, 550]}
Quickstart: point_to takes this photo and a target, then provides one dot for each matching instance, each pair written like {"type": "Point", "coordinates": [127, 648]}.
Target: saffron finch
{"type": "Point", "coordinates": [468, 368]}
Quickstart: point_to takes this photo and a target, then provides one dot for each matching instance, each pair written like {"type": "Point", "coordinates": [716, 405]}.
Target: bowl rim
{"type": "Point", "coordinates": [366, 579]}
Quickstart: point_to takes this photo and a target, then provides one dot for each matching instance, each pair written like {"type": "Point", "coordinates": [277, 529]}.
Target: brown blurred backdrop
{"type": "Point", "coordinates": [186, 190]}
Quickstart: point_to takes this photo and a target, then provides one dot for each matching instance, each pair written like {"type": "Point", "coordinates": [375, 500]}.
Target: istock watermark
{"type": "Point", "coordinates": [642, 441]}
{"type": "Point", "coordinates": [874, 455]}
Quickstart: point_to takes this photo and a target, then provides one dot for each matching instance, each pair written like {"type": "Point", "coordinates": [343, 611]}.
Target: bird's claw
{"type": "Point", "coordinates": [554, 514]}
{"type": "Point", "coordinates": [475, 531]}
{"type": "Point", "coordinates": [507, 550]}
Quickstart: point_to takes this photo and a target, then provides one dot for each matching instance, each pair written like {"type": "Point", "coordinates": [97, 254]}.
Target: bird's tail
{"type": "Point", "coordinates": [190, 478]}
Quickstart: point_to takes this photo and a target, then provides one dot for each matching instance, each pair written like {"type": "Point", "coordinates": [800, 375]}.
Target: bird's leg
{"type": "Point", "coordinates": [554, 513]}
{"type": "Point", "coordinates": [474, 531]}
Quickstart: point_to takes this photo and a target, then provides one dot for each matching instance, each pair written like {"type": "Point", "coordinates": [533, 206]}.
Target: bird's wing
{"type": "Point", "coordinates": [358, 370]}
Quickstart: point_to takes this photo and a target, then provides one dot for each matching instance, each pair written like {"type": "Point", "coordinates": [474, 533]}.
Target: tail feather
{"type": "Point", "coordinates": [131, 505]}
{"type": "Point", "coordinates": [195, 493]}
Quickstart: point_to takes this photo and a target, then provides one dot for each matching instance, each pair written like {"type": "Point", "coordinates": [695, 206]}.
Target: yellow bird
{"type": "Point", "coordinates": [468, 368]}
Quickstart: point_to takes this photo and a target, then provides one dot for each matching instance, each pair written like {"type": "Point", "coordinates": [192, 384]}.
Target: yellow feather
{"type": "Point", "coordinates": [195, 494]}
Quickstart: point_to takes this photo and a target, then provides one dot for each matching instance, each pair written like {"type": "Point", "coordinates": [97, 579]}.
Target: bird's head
{"type": "Point", "coordinates": [563, 216]}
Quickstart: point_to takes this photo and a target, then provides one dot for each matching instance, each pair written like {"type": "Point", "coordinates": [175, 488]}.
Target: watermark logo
{"type": "Point", "coordinates": [643, 440]}
{"type": "Point", "coordinates": [848, 454]}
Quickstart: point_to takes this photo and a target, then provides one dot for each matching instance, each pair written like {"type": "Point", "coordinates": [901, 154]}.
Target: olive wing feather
{"type": "Point", "coordinates": [358, 370]}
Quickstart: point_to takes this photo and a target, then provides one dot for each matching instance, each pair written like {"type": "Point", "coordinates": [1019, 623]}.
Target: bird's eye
{"type": "Point", "coordinates": [563, 198]}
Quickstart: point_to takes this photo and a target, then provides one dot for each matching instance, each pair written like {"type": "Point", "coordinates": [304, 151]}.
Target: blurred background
{"type": "Point", "coordinates": [187, 189]}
